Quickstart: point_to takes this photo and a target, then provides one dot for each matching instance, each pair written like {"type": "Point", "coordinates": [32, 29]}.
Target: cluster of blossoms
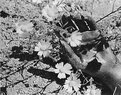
{"type": "Point", "coordinates": [50, 12]}
{"type": "Point", "coordinates": [72, 83]}
{"type": "Point", "coordinates": [56, 8]}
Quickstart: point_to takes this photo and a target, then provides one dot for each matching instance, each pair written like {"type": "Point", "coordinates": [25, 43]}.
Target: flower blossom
{"type": "Point", "coordinates": [23, 26]}
{"type": "Point", "coordinates": [62, 70]}
{"type": "Point", "coordinates": [59, 5]}
{"type": "Point", "coordinates": [75, 39]}
{"type": "Point", "coordinates": [72, 84]}
{"type": "Point", "coordinates": [43, 48]}
{"type": "Point", "coordinates": [50, 12]}
{"type": "Point", "coordinates": [92, 90]}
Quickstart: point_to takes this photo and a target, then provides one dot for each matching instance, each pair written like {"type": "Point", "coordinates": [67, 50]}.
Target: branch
{"type": "Point", "coordinates": [73, 58]}
{"type": "Point", "coordinates": [108, 14]}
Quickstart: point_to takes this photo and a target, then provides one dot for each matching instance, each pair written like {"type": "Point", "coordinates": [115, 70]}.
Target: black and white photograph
{"type": "Point", "coordinates": [60, 47]}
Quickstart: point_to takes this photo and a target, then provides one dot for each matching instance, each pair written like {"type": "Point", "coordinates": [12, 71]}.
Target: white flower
{"type": "Point", "coordinates": [59, 4]}
{"type": "Point", "coordinates": [63, 69]}
{"type": "Point", "coordinates": [75, 39]}
{"type": "Point", "coordinates": [50, 12]}
{"type": "Point", "coordinates": [23, 26]}
{"type": "Point", "coordinates": [43, 48]}
{"type": "Point", "coordinates": [72, 84]}
{"type": "Point", "coordinates": [92, 90]}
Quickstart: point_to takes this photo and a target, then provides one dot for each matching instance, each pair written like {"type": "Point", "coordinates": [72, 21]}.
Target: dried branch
{"type": "Point", "coordinates": [109, 14]}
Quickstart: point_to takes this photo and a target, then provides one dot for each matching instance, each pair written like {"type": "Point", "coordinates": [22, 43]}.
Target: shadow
{"type": "Point", "coordinates": [17, 53]}
{"type": "Point", "coordinates": [47, 75]}
{"type": "Point", "coordinates": [67, 23]}
{"type": "Point", "coordinates": [3, 91]}
{"type": "Point", "coordinates": [4, 14]}
{"type": "Point", "coordinates": [93, 66]}
{"type": "Point", "coordinates": [102, 43]}
{"type": "Point", "coordinates": [49, 61]}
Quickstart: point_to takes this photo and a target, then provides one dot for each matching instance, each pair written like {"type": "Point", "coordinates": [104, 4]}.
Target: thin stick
{"type": "Point", "coordinates": [114, 90]}
{"type": "Point", "coordinates": [108, 14]}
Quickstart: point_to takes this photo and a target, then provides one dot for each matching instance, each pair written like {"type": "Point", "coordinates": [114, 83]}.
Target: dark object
{"type": "Point", "coordinates": [4, 14]}
{"type": "Point", "coordinates": [83, 24]}
{"type": "Point", "coordinates": [93, 66]}
{"type": "Point", "coordinates": [108, 72]}
{"type": "Point", "coordinates": [3, 90]}
{"type": "Point", "coordinates": [17, 53]}
{"type": "Point", "coordinates": [47, 75]}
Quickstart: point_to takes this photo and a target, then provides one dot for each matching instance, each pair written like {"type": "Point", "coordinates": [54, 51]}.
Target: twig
{"type": "Point", "coordinates": [108, 14]}
{"type": "Point", "coordinates": [114, 90]}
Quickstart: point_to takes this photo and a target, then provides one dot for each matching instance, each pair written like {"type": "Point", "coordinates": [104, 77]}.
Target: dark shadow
{"type": "Point", "coordinates": [67, 22]}
{"type": "Point", "coordinates": [17, 53]}
{"type": "Point", "coordinates": [3, 90]}
{"type": "Point", "coordinates": [47, 75]}
{"type": "Point", "coordinates": [93, 66]}
{"type": "Point", "coordinates": [49, 61]}
{"type": "Point", "coordinates": [4, 14]}
{"type": "Point", "coordinates": [101, 44]}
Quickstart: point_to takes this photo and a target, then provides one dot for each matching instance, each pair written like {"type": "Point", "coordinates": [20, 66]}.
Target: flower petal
{"type": "Point", "coordinates": [73, 44]}
{"type": "Point", "coordinates": [40, 53]}
{"type": "Point", "coordinates": [66, 86]}
{"type": "Point", "coordinates": [70, 90]}
{"type": "Point", "coordinates": [76, 88]}
{"type": "Point", "coordinates": [59, 66]}
{"type": "Point", "coordinates": [66, 69]}
{"type": "Point", "coordinates": [45, 53]}
{"type": "Point", "coordinates": [39, 45]}
{"type": "Point", "coordinates": [61, 75]}
{"type": "Point", "coordinates": [77, 42]}
{"type": "Point", "coordinates": [68, 66]}
{"type": "Point", "coordinates": [56, 70]}
{"type": "Point", "coordinates": [36, 48]}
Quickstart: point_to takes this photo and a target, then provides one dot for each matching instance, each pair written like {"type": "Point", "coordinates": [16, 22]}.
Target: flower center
{"type": "Point", "coordinates": [45, 47]}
